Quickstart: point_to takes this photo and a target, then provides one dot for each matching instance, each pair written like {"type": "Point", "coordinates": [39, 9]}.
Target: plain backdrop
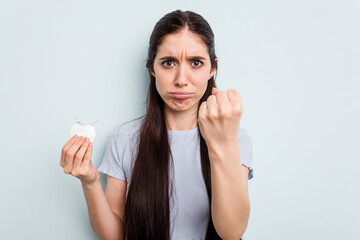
{"type": "Point", "coordinates": [294, 63]}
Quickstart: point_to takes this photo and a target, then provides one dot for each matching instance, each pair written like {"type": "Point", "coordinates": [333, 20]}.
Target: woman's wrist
{"type": "Point", "coordinates": [90, 185]}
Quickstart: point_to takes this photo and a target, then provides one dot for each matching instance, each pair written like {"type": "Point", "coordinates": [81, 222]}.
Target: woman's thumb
{"type": "Point", "coordinates": [214, 91]}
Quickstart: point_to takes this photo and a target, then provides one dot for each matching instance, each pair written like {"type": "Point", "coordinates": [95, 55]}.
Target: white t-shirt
{"type": "Point", "coordinates": [189, 205]}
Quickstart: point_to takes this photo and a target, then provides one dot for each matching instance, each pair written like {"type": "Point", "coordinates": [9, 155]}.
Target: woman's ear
{"type": "Point", "coordinates": [152, 73]}
{"type": "Point", "coordinates": [212, 72]}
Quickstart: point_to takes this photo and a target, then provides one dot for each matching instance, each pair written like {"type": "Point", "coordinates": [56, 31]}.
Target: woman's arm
{"type": "Point", "coordinates": [230, 205]}
{"type": "Point", "coordinates": [105, 223]}
{"type": "Point", "coordinates": [219, 119]}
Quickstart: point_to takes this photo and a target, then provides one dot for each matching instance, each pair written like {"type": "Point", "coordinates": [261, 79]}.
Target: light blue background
{"type": "Point", "coordinates": [295, 64]}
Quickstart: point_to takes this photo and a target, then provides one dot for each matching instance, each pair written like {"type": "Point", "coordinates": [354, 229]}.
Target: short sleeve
{"type": "Point", "coordinates": [112, 163]}
{"type": "Point", "coordinates": [245, 147]}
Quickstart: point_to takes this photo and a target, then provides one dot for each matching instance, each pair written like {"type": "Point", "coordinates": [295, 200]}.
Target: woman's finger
{"type": "Point", "coordinates": [70, 154]}
{"type": "Point", "coordinates": [233, 95]}
{"type": "Point", "coordinates": [80, 156]}
{"type": "Point", "coordinates": [214, 91]}
{"type": "Point", "coordinates": [66, 148]}
{"type": "Point", "coordinates": [235, 101]}
{"type": "Point", "coordinates": [212, 106]}
{"type": "Point", "coordinates": [202, 110]}
{"type": "Point", "coordinates": [222, 98]}
{"type": "Point", "coordinates": [87, 157]}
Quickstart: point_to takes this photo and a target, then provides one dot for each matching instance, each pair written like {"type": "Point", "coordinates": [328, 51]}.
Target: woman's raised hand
{"type": "Point", "coordinates": [219, 118]}
{"type": "Point", "coordinates": [76, 160]}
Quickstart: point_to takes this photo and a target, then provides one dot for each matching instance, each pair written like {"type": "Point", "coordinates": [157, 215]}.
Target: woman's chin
{"type": "Point", "coordinates": [179, 106]}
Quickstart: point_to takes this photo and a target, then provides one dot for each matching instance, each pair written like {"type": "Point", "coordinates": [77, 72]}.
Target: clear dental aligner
{"type": "Point", "coordinates": [83, 129]}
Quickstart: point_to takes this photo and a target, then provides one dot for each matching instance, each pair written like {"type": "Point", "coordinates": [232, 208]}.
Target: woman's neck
{"type": "Point", "coordinates": [180, 121]}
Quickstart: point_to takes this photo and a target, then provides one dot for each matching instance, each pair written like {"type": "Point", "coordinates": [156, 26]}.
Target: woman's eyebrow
{"type": "Point", "coordinates": [175, 59]}
{"type": "Point", "coordinates": [167, 58]}
{"type": "Point", "coordinates": [197, 58]}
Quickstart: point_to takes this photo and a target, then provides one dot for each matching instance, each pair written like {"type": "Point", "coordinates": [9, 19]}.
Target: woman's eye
{"type": "Point", "coordinates": [167, 63]}
{"type": "Point", "coordinates": [196, 63]}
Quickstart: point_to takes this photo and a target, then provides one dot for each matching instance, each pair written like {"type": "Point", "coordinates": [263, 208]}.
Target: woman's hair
{"type": "Point", "coordinates": [147, 214]}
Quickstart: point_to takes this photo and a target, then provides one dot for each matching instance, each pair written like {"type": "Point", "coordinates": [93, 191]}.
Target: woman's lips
{"type": "Point", "coordinates": [180, 95]}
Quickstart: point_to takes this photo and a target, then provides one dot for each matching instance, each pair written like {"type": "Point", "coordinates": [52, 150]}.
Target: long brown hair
{"type": "Point", "coordinates": [147, 214]}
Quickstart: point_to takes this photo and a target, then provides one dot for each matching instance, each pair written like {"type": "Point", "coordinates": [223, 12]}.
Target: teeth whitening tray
{"type": "Point", "coordinates": [83, 129]}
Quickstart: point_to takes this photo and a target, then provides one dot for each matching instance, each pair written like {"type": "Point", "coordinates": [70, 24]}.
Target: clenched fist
{"type": "Point", "coordinates": [219, 118]}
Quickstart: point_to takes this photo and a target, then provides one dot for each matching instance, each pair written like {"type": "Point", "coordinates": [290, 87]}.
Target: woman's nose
{"type": "Point", "coordinates": [180, 79]}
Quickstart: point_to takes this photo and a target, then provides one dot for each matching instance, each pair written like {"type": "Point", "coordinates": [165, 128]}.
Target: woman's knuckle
{"type": "Point", "coordinates": [223, 111]}
{"type": "Point", "coordinates": [78, 156]}
{"type": "Point", "coordinates": [232, 91]}
{"type": "Point", "coordinates": [227, 115]}
{"type": "Point", "coordinates": [213, 115]}
{"type": "Point", "coordinates": [222, 114]}
{"type": "Point", "coordinates": [69, 154]}
{"type": "Point", "coordinates": [238, 109]}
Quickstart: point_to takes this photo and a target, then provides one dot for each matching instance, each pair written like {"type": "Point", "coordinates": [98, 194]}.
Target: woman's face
{"type": "Point", "coordinates": [182, 69]}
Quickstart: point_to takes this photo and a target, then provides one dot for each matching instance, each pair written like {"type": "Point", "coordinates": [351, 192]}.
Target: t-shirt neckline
{"type": "Point", "coordinates": [183, 131]}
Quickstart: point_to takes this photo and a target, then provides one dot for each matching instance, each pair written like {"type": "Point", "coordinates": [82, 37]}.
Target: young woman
{"type": "Point", "coordinates": [181, 171]}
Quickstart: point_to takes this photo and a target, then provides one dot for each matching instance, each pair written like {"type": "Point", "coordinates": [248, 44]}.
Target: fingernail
{"type": "Point", "coordinates": [87, 140]}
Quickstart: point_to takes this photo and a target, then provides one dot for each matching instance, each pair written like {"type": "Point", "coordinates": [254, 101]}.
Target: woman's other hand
{"type": "Point", "coordinates": [76, 160]}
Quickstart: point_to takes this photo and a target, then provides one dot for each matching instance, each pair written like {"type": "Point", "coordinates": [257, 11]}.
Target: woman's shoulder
{"type": "Point", "coordinates": [127, 129]}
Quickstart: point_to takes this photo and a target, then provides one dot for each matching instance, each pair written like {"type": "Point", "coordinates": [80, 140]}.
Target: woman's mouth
{"type": "Point", "coordinates": [180, 95]}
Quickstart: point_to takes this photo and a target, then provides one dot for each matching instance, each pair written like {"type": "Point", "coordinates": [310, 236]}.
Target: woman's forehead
{"type": "Point", "coordinates": [182, 43]}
